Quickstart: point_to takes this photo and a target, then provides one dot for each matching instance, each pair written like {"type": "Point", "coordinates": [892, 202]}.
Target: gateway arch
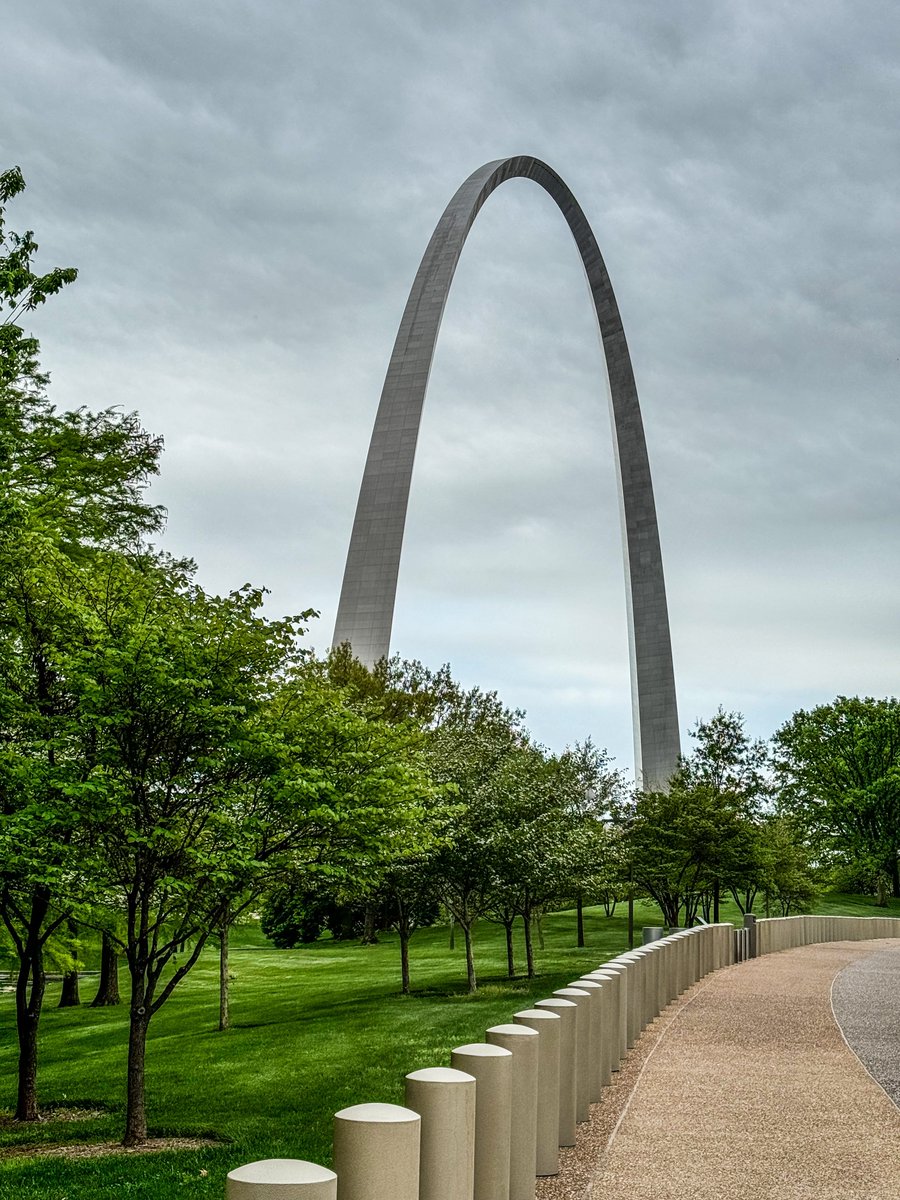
{"type": "Point", "coordinates": [366, 606]}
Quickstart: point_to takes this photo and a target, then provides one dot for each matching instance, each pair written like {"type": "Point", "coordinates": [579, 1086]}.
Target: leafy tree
{"type": "Point", "coordinates": [219, 753]}
{"type": "Point", "coordinates": [595, 788]}
{"type": "Point", "coordinates": [789, 877]}
{"type": "Point", "coordinates": [678, 843]}
{"type": "Point", "coordinates": [839, 771]}
{"type": "Point", "coordinates": [70, 483]}
{"type": "Point", "coordinates": [528, 807]}
{"type": "Point", "coordinates": [467, 753]}
{"type": "Point", "coordinates": [726, 760]}
{"type": "Point", "coordinates": [298, 911]}
{"type": "Point", "coordinates": [730, 766]}
{"type": "Point", "coordinates": [409, 901]}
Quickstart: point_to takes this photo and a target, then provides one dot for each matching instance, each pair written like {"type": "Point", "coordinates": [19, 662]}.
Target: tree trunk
{"type": "Point", "coordinates": [579, 917]}
{"type": "Point", "coordinates": [136, 1112]}
{"type": "Point", "coordinates": [30, 985]}
{"type": "Point", "coordinates": [223, 976]}
{"type": "Point", "coordinates": [716, 902]}
{"type": "Point", "coordinates": [369, 937]}
{"type": "Point", "coordinates": [529, 948]}
{"type": "Point", "coordinates": [68, 997]}
{"type": "Point", "coordinates": [895, 876]}
{"type": "Point", "coordinates": [108, 991]}
{"type": "Point", "coordinates": [510, 951]}
{"type": "Point", "coordinates": [404, 960]}
{"type": "Point", "coordinates": [470, 958]}
{"type": "Point", "coordinates": [29, 998]}
{"type": "Point", "coordinates": [452, 935]}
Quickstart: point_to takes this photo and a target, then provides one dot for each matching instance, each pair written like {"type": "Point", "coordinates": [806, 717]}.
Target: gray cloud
{"type": "Point", "coordinates": [247, 189]}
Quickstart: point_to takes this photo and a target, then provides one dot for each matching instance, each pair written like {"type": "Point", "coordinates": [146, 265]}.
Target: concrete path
{"type": "Point", "coordinates": [746, 1089]}
{"type": "Point", "coordinates": [865, 998]}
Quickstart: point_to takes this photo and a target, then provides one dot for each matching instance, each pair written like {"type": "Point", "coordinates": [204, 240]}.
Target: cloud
{"type": "Point", "coordinates": [247, 190]}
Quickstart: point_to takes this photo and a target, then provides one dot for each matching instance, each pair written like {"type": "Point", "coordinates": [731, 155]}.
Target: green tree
{"type": "Point", "coordinates": [839, 773]}
{"type": "Point", "coordinates": [679, 843]}
{"type": "Point", "coordinates": [409, 900]}
{"type": "Point", "coordinates": [595, 787]}
{"type": "Point", "coordinates": [732, 768]}
{"type": "Point", "coordinates": [70, 483]}
{"type": "Point", "coordinates": [219, 755]}
{"type": "Point", "coordinates": [467, 752]}
{"type": "Point", "coordinates": [789, 878]}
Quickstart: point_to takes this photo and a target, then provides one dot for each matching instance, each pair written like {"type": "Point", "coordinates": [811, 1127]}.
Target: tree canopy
{"type": "Point", "coordinates": [839, 773]}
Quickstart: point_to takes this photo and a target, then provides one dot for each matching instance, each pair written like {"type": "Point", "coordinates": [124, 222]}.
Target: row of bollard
{"type": "Point", "coordinates": [486, 1126]}
{"type": "Point", "coordinates": [786, 933]}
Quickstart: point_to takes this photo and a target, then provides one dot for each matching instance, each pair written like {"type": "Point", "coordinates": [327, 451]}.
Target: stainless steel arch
{"type": "Point", "coordinates": [366, 608]}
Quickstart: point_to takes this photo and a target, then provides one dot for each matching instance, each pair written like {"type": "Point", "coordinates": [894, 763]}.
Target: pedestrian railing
{"type": "Point", "coordinates": [486, 1126]}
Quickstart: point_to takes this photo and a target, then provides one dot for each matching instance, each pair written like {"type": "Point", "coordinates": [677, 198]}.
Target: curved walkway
{"type": "Point", "coordinates": [865, 999]}
{"type": "Point", "coordinates": [746, 1089]}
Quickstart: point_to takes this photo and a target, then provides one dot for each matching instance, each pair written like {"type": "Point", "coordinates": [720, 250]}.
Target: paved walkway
{"type": "Point", "coordinates": [746, 1089]}
{"type": "Point", "coordinates": [865, 998]}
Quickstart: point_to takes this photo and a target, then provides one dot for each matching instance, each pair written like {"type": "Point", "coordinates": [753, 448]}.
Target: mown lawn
{"type": "Point", "coordinates": [313, 1030]}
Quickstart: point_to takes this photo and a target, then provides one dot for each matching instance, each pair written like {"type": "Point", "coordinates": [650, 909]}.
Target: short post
{"type": "Point", "coordinates": [598, 1069]}
{"type": "Point", "coordinates": [750, 926]}
{"type": "Point", "coordinates": [376, 1152]}
{"type": "Point", "coordinates": [582, 999]}
{"type": "Point", "coordinates": [547, 1026]}
{"type": "Point", "coordinates": [281, 1179]}
{"type": "Point", "coordinates": [492, 1068]}
{"type": "Point", "coordinates": [620, 1027]}
{"type": "Point", "coordinates": [609, 1023]}
{"type": "Point", "coordinates": [522, 1043]}
{"type": "Point", "coordinates": [445, 1100]}
{"type": "Point", "coordinates": [567, 1010]}
{"type": "Point", "coordinates": [631, 963]}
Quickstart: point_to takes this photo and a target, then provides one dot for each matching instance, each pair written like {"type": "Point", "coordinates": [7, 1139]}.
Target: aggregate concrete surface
{"type": "Point", "coordinates": [745, 1089]}
{"type": "Point", "coordinates": [865, 998]}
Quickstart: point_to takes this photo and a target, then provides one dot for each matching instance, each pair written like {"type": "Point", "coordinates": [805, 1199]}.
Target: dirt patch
{"type": "Point", "coordinates": [98, 1149]}
{"type": "Point", "coordinates": [60, 1112]}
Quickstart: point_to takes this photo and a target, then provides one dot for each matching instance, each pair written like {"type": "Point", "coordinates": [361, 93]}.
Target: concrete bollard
{"type": "Point", "coordinates": [376, 1152]}
{"type": "Point", "coordinates": [547, 1025]}
{"type": "Point", "coordinates": [522, 1043]}
{"type": "Point", "coordinates": [445, 1100]}
{"type": "Point", "coordinates": [619, 974]}
{"type": "Point", "coordinates": [492, 1069]}
{"type": "Point", "coordinates": [281, 1179]}
{"type": "Point", "coordinates": [609, 1022]}
{"type": "Point", "coordinates": [632, 965]}
{"type": "Point", "coordinates": [682, 956]}
{"type": "Point", "coordinates": [567, 1011]}
{"type": "Point", "coordinates": [598, 1070]}
{"type": "Point", "coordinates": [670, 970]}
{"type": "Point", "coordinates": [582, 998]}
{"type": "Point", "coordinates": [649, 960]}
{"type": "Point", "coordinates": [750, 926]}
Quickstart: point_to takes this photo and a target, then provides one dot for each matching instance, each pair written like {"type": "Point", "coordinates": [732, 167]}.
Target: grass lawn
{"type": "Point", "coordinates": [314, 1030]}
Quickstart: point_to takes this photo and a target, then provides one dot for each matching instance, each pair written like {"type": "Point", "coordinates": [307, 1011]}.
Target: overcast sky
{"type": "Point", "coordinates": [247, 188]}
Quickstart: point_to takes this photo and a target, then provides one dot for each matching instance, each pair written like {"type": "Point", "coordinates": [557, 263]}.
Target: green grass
{"type": "Point", "coordinates": [314, 1030]}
